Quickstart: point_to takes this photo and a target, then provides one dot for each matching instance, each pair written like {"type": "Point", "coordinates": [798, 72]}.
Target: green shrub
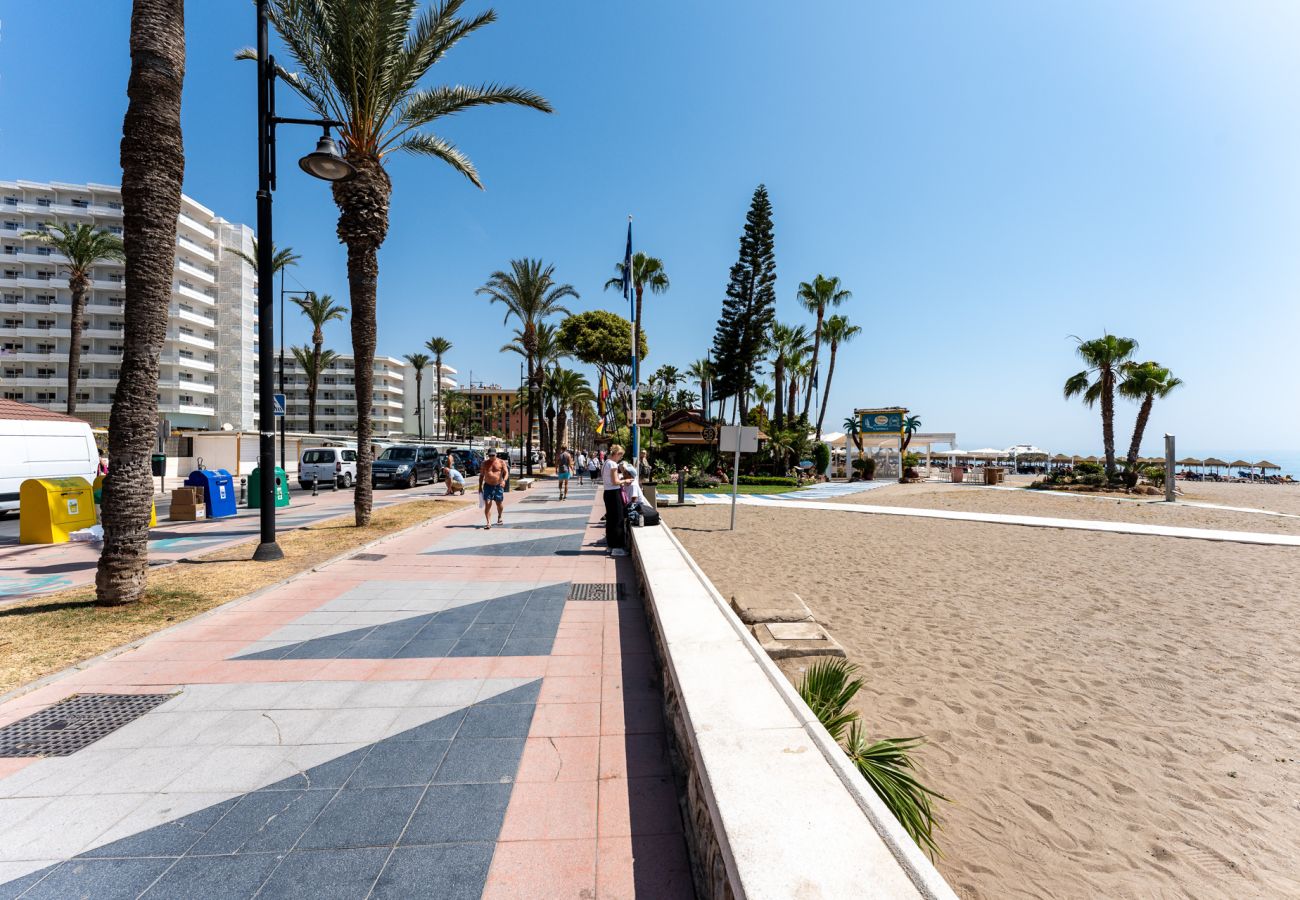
{"type": "Point", "coordinates": [769, 480]}
{"type": "Point", "coordinates": [866, 466]}
{"type": "Point", "coordinates": [821, 458]}
{"type": "Point", "coordinates": [1083, 467]}
{"type": "Point", "coordinates": [1153, 473]}
{"type": "Point", "coordinates": [911, 460]}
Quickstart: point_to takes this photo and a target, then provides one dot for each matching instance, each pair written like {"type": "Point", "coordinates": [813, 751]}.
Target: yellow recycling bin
{"type": "Point", "coordinates": [49, 509]}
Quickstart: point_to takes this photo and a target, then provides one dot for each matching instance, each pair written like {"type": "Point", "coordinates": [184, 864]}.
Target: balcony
{"type": "Point", "coordinates": [188, 362]}
{"type": "Point", "coordinates": [187, 315]}
{"type": "Point", "coordinates": [195, 227]}
{"type": "Point", "coordinates": [191, 339]}
{"type": "Point", "coordinates": [193, 293]}
{"type": "Point", "coordinates": [107, 284]}
{"type": "Point", "coordinates": [189, 246]}
{"type": "Point", "coordinates": [189, 387]}
{"type": "Point", "coordinates": [54, 283]}
{"type": "Point", "coordinates": [195, 272]}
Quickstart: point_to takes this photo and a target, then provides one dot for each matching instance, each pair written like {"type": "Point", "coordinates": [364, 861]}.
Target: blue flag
{"type": "Point", "coordinates": [627, 264]}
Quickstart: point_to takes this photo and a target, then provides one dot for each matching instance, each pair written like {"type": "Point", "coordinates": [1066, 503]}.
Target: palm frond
{"type": "Point", "coordinates": [828, 687]}
{"type": "Point", "coordinates": [887, 765]}
{"type": "Point", "coordinates": [438, 148]}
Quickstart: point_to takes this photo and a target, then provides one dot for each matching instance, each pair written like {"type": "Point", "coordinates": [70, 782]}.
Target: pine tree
{"type": "Point", "coordinates": [750, 307]}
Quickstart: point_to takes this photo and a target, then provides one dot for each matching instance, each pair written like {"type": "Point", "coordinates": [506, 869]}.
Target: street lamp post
{"type": "Point", "coordinates": [325, 163]}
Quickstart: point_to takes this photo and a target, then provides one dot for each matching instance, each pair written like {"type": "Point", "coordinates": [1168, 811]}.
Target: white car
{"type": "Point", "coordinates": [37, 443]}
{"type": "Point", "coordinates": [337, 465]}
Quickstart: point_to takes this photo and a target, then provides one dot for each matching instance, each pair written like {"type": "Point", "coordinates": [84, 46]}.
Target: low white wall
{"type": "Point", "coordinates": [774, 808]}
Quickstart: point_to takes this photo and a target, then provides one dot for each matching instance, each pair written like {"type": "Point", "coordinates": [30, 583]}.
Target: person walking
{"type": "Point", "coordinates": [593, 467]}
{"type": "Point", "coordinates": [580, 469]}
{"type": "Point", "coordinates": [491, 487]}
{"type": "Point", "coordinates": [564, 471]}
{"type": "Point", "coordinates": [612, 490]}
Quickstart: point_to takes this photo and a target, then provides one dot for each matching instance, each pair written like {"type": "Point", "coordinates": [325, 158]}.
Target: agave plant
{"type": "Point", "coordinates": [887, 765]}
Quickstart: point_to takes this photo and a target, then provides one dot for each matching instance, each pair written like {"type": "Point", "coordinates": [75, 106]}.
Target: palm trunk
{"type": "Point", "coordinates": [1139, 427]}
{"type": "Point", "coordinates": [826, 397]}
{"type": "Point", "coordinates": [437, 391]}
{"type": "Point", "coordinates": [363, 205]}
{"type": "Point", "coordinates": [778, 376]}
{"type": "Point", "coordinates": [1108, 419]}
{"type": "Point", "coordinates": [528, 421]}
{"type": "Point", "coordinates": [78, 283]}
{"type": "Point", "coordinates": [817, 346]}
{"type": "Point", "coordinates": [794, 391]}
{"type": "Point", "coordinates": [311, 402]}
{"type": "Point", "coordinates": [153, 167]}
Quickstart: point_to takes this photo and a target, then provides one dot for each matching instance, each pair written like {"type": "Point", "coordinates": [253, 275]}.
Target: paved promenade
{"type": "Point", "coordinates": [454, 713]}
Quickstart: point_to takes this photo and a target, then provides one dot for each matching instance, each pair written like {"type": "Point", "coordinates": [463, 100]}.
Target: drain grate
{"type": "Point", "coordinates": [73, 723]}
{"type": "Point", "coordinates": [371, 557]}
{"type": "Point", "coordinates": [595, 590]}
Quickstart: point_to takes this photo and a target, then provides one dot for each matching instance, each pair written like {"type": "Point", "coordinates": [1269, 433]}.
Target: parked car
{"type": "Point", "coordinates": [337, 465]}
{"type": "Point", "coordinates": [468, 462]}
{"type": "Point", "coordinates": [37, 443]}
{"type": "Point", "coordinates": [406, 465]}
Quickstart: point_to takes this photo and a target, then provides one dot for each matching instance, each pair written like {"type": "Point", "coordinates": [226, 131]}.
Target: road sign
{"type": "Point", "coordinates": [645, 418]}
{"type": "Point", "coordinates": [279, 406]}
{"type": "Point", "coordinates": [748, 437]}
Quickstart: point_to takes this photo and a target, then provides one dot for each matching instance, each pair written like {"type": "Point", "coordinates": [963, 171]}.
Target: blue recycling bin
{"type": "Point", "coordinates": [218, 491]}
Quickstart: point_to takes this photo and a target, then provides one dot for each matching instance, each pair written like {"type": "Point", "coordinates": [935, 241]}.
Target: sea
{"type": "Point", "coordinates": [1289, 460]}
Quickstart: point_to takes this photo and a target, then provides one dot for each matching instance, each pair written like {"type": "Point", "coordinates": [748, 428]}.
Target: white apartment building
{"type": "Point", "coordinates": [207, 360]}
{"type": "Point", "coordinates": [393, 401]}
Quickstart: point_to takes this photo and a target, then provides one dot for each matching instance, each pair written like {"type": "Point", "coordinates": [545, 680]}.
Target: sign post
{"type": "Point", "coordinates": [1169, 468]}
{"type": "Point", "coordinates": [279, 406]}
{"type": "Point", "coordinates": [740, 438]}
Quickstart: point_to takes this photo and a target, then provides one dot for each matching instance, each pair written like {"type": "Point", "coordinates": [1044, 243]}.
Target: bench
{"type": "Point", "coordinates": [522, 484]}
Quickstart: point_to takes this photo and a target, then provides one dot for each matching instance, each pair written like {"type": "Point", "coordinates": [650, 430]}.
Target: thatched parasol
{"type": "Point", "coordinates": [1061, 457]}
{"type": "Point", "coordinates": [1190, 461]}
{"type": "Point", "coordinates": [1265, 464]}
{"type": "Point", "coordinates": [1216, 462]}
{"type": "Point", "coordinates": [1240, 464]}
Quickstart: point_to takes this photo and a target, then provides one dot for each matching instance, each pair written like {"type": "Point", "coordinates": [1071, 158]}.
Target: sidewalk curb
{"type": "Point", "coordinates": [124, 648]}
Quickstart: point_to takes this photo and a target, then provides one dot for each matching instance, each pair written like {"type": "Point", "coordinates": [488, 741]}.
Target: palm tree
{"type": "Point", "coordinates": [887, 765]}
{"type": "Point", "coordinates": [569, 391]}
{"type": "Point", "coordinates": [816, 297]}
{"type": "Point", "coordinates": [647, 272]}
{"type": "Point", "coordinates": [1104, 356]}
{"type": "Point", "coordinates": [763, 395]}
{"type": "Point", "coordinates": [314, 361]}
{"type": "Point", "coordinates": [361, 65]}
{"type": "Point", "coordinates": [852, 427]}
{"type": "Point", "coordinates": [530, 294]}
{"type": "Point", "coordinates": [782, 342]}
{"type": "Point", "coordinates": [417, 362]}
{"type": "Point", "coordinates": [439, 347]}
{"type": "Point", "coordinates": [84, 246]}
{"type": "Point", "coordinates": [702, 371]}
{"type": "Point", "coordinates": [280, 259]}
{"type": "Point", "coordinates": [836, 331]}
{"type": "Point", "coordinates": [798, 367]}
{"type": "Point", "coordinates": [153, 167]}
{"type": "Point", "coordinates": [320, 310]}
{"type": "Point", "coordinates": [910, 424]}
{"type": "Point", "coordinates": [1143, 382]}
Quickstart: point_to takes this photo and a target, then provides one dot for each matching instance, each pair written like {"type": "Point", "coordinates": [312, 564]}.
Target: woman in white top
{"type": "Point", "coordinates": [612, 492]}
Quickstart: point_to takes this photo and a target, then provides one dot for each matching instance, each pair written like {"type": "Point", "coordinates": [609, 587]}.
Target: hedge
{"type": "Point", "coordinates": [771, 480]}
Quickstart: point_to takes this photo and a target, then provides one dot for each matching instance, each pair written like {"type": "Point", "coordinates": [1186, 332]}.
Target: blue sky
{"type": "Point", "coordinates": [988, 179]}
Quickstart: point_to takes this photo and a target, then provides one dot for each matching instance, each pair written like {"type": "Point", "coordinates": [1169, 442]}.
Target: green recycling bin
{"type": "Point", "coordinates": [255, 488]}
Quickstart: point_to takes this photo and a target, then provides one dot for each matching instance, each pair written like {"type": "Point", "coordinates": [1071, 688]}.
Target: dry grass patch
{"type": "Point", "coordinates": [51, 632]}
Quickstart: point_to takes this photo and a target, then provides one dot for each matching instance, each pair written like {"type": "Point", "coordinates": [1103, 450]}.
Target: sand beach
{"type": "Point", "coordinates": [1112, 715]}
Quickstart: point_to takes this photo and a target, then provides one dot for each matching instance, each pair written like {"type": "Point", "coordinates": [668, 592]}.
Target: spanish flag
{"type": "Point", "coordinates": [601, 400]}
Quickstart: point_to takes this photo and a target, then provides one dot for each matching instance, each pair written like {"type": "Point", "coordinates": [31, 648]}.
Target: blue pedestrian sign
{"type": "Point", "coordinates": [279, 406]}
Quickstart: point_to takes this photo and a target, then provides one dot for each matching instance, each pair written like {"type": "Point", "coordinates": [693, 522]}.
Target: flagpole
{"type": "Point", "coordinates": [629, 290]}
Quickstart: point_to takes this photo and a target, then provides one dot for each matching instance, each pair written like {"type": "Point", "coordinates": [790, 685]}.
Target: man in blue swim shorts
{"type": "Point", "coordinates": [491, 486]}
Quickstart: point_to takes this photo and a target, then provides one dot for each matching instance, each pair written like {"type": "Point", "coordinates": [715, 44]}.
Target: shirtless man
{"type": "Point", "coordinates": [491, 485]}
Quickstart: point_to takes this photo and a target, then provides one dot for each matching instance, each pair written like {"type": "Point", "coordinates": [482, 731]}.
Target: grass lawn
{"type": "Point", "coordinates": [53, 631]}
{"type": "Point", "coordinates": [670, 490]}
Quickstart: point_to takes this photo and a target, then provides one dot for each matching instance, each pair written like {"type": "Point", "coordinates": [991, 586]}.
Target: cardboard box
{"type": "Point", "coordinates": [187, 505]}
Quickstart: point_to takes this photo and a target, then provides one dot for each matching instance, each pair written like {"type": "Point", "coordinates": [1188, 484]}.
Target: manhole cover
{"type": "Point", "coordinates": [371, 557]}
{"type": "Point", "coordinates": [595, 590]}
{"type": "Point", "coordinates": [74, 723]}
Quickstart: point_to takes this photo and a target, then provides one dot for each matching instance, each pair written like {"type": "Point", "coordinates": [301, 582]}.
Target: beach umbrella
{"type": "Point", "coordinates": [1190, 461]}
{"type": "Point", "coordinates": [1215, 462]}
{"type": "Point", "coordinates": [1091, 459]}
{"type": "Point", "coordinates": [1265, 464]}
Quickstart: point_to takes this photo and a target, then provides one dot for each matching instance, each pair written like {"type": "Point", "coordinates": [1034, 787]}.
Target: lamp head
{"type": "Point", "coordinates": [326, 163]}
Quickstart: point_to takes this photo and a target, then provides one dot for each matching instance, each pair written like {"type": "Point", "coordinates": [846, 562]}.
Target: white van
{"type": "Point", "coordinates": [337, 465]}
{"type": "Point", "coordinates": [38, 443]}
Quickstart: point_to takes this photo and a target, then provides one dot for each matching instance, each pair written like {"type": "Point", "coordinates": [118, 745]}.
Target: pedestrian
{"type": "Point", "coordinates": [452, 478]}
{"type": "Point", "coordinates": [491, 487]}
{"type": "Point", "coordinates": [581, 468]}
{"type": "Point", "coordinates": [593, 467]}
{"type": "Point", "coordinates": [563, 470]}
{"type": "Point", "coordinates": [612, 486]}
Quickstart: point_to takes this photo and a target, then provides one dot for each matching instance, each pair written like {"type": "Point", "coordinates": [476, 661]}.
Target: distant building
{"type": "Point", "coordinates": [493, 411]}
{"type": "Point", "coordinates": [207, 359]}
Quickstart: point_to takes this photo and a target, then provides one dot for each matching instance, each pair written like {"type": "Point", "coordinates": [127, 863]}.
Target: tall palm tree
{"type": "Point", "coordinates": [314, 361]}
{"type": "Point", "coordinates": [1143, 382]}
{"type": "Point", "coordinates": [418, 361]}
{"type": "Point", "coordinates": [362, 64]}
{"type": "Point", "coordinates": [153, 167]}
{"type": "Point", "coordinates": [531, 294]}
{"type": "Point", "coordinates": [798, 368]}
{"type": "Point", "coordinates": [439, 347]}
{"type": "Point", "coordinates": [816, 296]}
{"type": "Point", "coordinates": [647, 272]}
{"type": "Point", "coordinates": [280, 259]}
{"type": "Point", "coordinates": [782, 341]}
{"type": "Point", "coordinates": [835, 331]}
{"type": "Point", "coordinates": [853, 428]}
{"type": "Point", "coordinates": [1104, 356]}
{"type": "Point", "coordinates": [84, 246]}
{"type": "Point", "coordinates": [569, 391]}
